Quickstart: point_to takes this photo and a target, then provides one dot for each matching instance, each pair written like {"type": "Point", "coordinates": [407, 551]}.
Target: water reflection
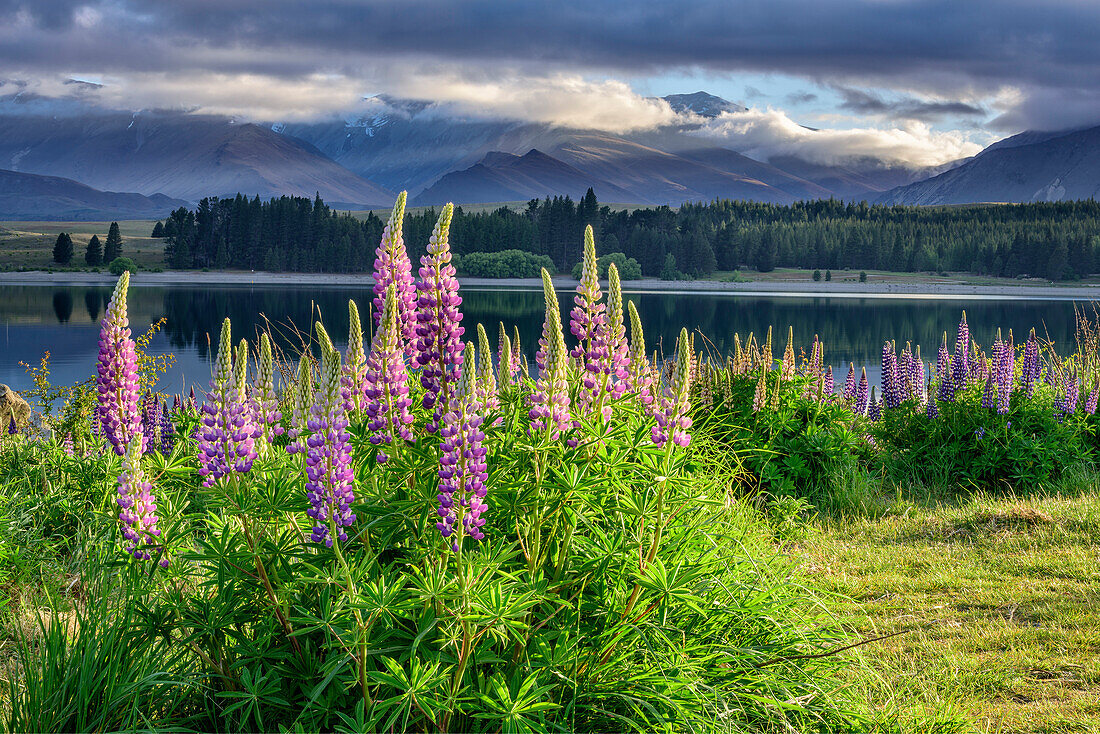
{"type": "Point", "coordinates": [34, 319]}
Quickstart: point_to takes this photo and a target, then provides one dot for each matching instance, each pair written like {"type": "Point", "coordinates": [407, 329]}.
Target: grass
{"type": "Point", "coordinates": [29, 245]}
{"type": "Point", "coordinates": [998, 599]}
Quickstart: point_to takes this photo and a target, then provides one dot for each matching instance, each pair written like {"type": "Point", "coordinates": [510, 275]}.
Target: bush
{"type": "Point", "coordinates": [503, 264]}
{"type": "Point", "coordinates": [817, 275]}
{"type": "Point", "coordinates": [629, 269]}
{"type": "Point", "coordinates": [862, 276]}
{"type": "Point", "coordinates": [120, 265]}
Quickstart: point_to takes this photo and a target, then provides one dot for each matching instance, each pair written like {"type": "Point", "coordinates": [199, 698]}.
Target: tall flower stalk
{"type": "Point", "coordinates": [328, 458]}
{"type": "Point", "coordinates": [386, 384]}
{"type": "Point", "coordinates": [393, 267]}
{"type": "Point", "coordinates": [550, 403]}
{"type": "Point", "coordinates": [439, 330]}
{"type": "Point", "coordinates": [137, 505]}
{"type": "Point", "coordinates": [640, 375]}
{"type": "Point", "coordinates": [268, 414]}
{"type": "Point", "coordinates": [486, 383]}
{"type": "Point", "coordinates": [353, 380]}
{"type": "Point", "coordinates": [673, 419]}
{"type": "Point", "coordinates": [226, 435]}
{"type": "Point", "coordinates": [462, 465]}
{"type": "Point", "coordinates": [117, 382]}
{"type": "Point", "coordinates": [301, 398]}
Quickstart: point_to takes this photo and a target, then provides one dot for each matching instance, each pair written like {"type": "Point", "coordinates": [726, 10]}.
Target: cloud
{"type": "Point", "coordinates": [754, 93]}
{"type": "Point", "coordinates": [905, 107]}
{"type": "Point", "coordinates": [764, 134]}
{"type": "Point", "coordinates": [795, 98]}
{"type": "Point", "coordinates": [952, 55]}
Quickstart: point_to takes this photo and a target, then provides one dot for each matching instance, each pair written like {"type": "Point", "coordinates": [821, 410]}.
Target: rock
{"type": "Point", "coordinates": [11, 405]}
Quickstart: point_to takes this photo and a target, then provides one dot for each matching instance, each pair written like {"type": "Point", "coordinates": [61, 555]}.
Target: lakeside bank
{"type": "Point", "coordinates": [758, 287]}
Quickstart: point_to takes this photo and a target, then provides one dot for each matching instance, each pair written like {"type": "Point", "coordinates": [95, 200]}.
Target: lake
{"type": "Point", "coordinates": [63, 320]}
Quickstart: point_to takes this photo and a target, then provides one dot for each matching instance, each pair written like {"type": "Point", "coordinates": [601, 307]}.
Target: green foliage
{"type": "Point", "coordinates": [120, 265]}
{"type": "Point", "coordinates": [629, 269]}
{"type": "Point", "coordinates": [93, 255]}
{"type": "Point", "coordinates": [63, 249]}
{"type": "Point", "coordinates": [504, 264]}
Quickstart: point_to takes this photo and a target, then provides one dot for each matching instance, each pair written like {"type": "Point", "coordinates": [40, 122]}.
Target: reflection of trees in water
{"type": "Point", "coordinates": [63, 305]}
{"type": "Point", "coordinates": [92, 301]}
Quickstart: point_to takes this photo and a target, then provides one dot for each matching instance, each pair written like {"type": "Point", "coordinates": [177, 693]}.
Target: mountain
{"type": "Point", "coordinates": [1032, 166]}
{"type": "Point", "coordinates": [180, 155]}
{"type": "Point", "coordinates": [29, 196]}
{"type": "Point", "coordinates": [702, 104]}
{"type": "Point", "coordinates": [506, 177]}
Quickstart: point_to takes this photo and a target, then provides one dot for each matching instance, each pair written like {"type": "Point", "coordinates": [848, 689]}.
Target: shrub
{"type": "Point", "coordinates": [503, 264]}
{"type": "Point", "coordinates": [120, 265]}
{"type": "Point", "coordinates": [629, 269]}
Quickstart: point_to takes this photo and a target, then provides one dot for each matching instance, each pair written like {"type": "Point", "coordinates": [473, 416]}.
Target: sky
{"type": "Point", "coordinates": [922, 82]}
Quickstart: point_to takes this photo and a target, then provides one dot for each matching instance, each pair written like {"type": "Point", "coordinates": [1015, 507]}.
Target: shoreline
{"type": "Point", "coordinates": [840, 289]}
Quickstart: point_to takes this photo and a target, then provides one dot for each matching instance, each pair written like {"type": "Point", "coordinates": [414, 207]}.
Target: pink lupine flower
{"type": "Point", "coordinates": [387, 383]}
{"type": "Point", "coordinates": [353, 380]}
{"type": "Point", "coordinates": [587, 322]}
{"type": "Point", "coordinates": [550, 402]}
{"type": "Point", "coordinates": [439, 329]}
{"type": "Point", "coordinates": [462, 468]}
{"type": "Point", "coordinates": [227, 434]}
{"type": "Point", "coordinates": [617, 372]}
{"type": "Point", "coordinates": [673, 419]}
{"type": "Point", "coordinates": [328, 456]}
{"type": "Point", "coordinates": [137, 505]}
{"type": "Point", "coordinates": [392, 266]}
{"type": "Point", "coordinates": [119, 409]}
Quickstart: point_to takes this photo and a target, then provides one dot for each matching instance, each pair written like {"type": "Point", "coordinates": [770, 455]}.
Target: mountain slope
{"type": "Point", "coordinates": [29, 196]}
{"type": "Point", "coordinates": [505, 177]}
{"type": "Point", "coordinates": [1027, 167]}
{"type": "Point", "coordinates": [180, 155]}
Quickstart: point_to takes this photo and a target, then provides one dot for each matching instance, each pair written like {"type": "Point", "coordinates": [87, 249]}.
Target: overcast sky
{"type": "Point", "coordinates": [933, 79]}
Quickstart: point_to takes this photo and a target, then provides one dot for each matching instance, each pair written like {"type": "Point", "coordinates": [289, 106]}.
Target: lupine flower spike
{"type": "Point", "coordinates": [960, 365]}
{"type": "Point", "coordinates": [301, 398]}
{"type": "Point", "coordinates": [328, 460]}
{"type": "Point", "coordinates": [850, 383]}
{"type": "Point", "coordinates": [387, 383]}
{"type": "Point", "coordinates": [353, 381]}
{"type": "Point", "coordinates": [462, 469]}
{"type": "Point", "coordinates": [439, 331]}
{"type": "Point", "coordinates": [673, 419]}
{"type": "Point", "coordinates": [486, 383]}
{"type": "Point", "coordinates": [587, 322]}
{"type": "Point", "coordinates": [226, 435]}
{"type": "Point", "coordinates": [507, 378]}
{"type": "Point", "coordinates": [862, 395]}
{"type": "Point", "coordinates": [760, 396]}
{"type": "Point", "coordinates": [137, 505]}
{"type": "Point", "coordinates": [392, 266]}
{"type": "Point", "coordinates": [641, 376]}
{"type": "Point", "coordinates": [117, 382]}
{"type": "Point", "coordinates": [550, 402]}
{"type": "Point", "coordinates": [267, 403]}
{"type": "Point", "coordinates": [1029, 370]}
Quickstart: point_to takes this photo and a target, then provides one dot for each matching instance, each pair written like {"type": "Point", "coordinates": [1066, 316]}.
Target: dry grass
{"type": "Point", "coordinates": [30, 244]}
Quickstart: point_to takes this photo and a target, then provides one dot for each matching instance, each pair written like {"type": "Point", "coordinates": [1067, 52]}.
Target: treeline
{"type": "Point", "coordinates": [1051, 240]}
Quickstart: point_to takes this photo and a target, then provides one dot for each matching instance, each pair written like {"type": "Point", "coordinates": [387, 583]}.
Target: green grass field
{"type": "Point", "coordinates": [29, 245]}
{"type": "Point", "coordinates": [997, 600]}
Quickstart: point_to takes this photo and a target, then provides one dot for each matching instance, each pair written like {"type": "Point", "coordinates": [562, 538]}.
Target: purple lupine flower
{"type": "Point", "coordinates": [150, 421]}
{"type": "Point", "coordinates": [1029, 370]}
{"type": "Point", "coordinates": [828, 382]}
{"type": "Point", "coordinates": [1090, 402]}
{"type": "Point", "coordinates": [266, 402]}
{"type": "Point", "coordinates": [550, 401]}
{"type": "Point", "coordinates": [328, 457]}
{"type": "Point", "coordinates": [960, 366]}
{"type": "Point", "coordinates": [353, 381]}
{"type": "Point", "coordinates": [942, 359]}
{"type": "Point", "coordinates": [906, 388]}
{"type": "Point", "coordinates": [462, 470]}
{"type": "Point", "coordinates": [301, 398]}
{"type": "Point", "coordinates": [387, 383]}
{"type": "Point", "coordinates": [485, 386]}
{"type": "Point", "coordinates": [67, 444]}
{"type": "Point", "coordinates": [874, 410]}
{"type": "Point", "coordinates": [917, 378]}
{"type": "Point", "coordinates": [587, 322]}
{"type": "Point", "coordinates": [392, 265]}
{"type": "Point", "coordinates": [167, 431]}
{"type": "Point", "coordinates": [226, 435]}
{"type": "Point", "coordinates": [1072, 393]}
{"type": "Point", "coordinates": [980, 433]}
{"type": "Point", "coordinates": [673, 419]}
{"type": "Point", "coordinates": [117, 381]}
{"type": "Point", "coordinates": [850, 383]}
{"type": "Point", "coordinates": [933, 410]}
{"type": "Point", "coordinates": [192, 404]}
{"type": "Point", "coordinates": [891, 387]}
{"type": "Point", "coordinates": [439, 331]}
{"type": "Point", "coordinates": [640, 375]}
{"type": "Point", "coordinates": [1002, 370]}
{"type": "Point", "coordinates": [137, 505]}
{"type": "Point", "coordinates": [862, 395]}
{"type": "Point", "coordinates": [519, 359]}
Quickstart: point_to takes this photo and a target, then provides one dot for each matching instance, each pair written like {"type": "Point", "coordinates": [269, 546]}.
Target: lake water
{"type": "Point", "coordinates": [63, 320]}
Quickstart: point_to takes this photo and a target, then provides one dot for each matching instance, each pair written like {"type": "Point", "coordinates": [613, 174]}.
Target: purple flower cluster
{"type": "Point", "coordinates": [587, 323]}
{"type": "Point", "coordinates": [328, 455]}
{"type": "Point", "coordinates": [462, 467]}
{"type": "Point", "coordinates": [392, 266]}
{"type": "Point", "coordinates": [227, 435]}
{"type": "Point", "coordinates": [850, 383]}
{"type": "Point", "coordinates": [960, 366]}
{"type": "Point", "coordinates": [387, 383]}
{"type": "Point", "coordinates": [673, 419]}
{"type": "Point", "coordinates": [137, 505]}
{"type": "Point", "coordinates": [439, 329]}
{"type": "Point", "coordinates": [891, 380]}
{"type": "Point", "coordinates": [863, 396]}
{"type": "Point", "coordinates": [1029, 370]}
{"type": "Point", "coordinates": [1067, 404]}
{"type": "Point", "coordinates": [550, 401]}
{"type": "Point", "coordinates": [117, 381]}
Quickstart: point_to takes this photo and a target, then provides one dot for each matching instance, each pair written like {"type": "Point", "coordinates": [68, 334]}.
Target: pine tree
{"type": "Point", "coordinates": [94, 254]}
{"type": "Point", "coordinates": [63, 249]}
{"type": "Point", "coordinates": [158, 230]}
{"type": "Point", "coordinates": [113, 248]}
